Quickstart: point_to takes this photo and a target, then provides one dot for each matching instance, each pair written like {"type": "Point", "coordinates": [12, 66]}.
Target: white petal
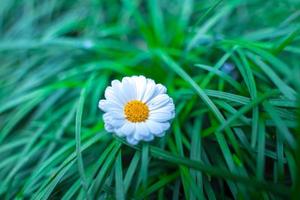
{"type": "Point", "coordinates": [129, 88]}
{"type": "Point", "coordinates": [111, 95]}
{"type": "Point", "coordinates": [150, 91]}
{"type": "Point", "coordinates": [164, 113]}
{"type": "Point", "coordinates": [118, 91]}
{"type": "Point", "coordinates": [107, 105]}
{"type": "Point", "coordinates": [141, 83]}
{"type": "Point", "coordinates": [158, 101]}
{"type": "Point", "coordinates": [112, 122]}
{"type": "Point", "coordinates": [166, 108]}
{"type": "Point", "coordinates": [161, 116]}
{"type": "Point", "coordinates": [108, 127]}
{"type": "Point", "coordinates": [126, 130]}
{"type": "Point", "coordinates": [116, 84]}
{"type": "Point", "coordinates": [156, 127]}
{"type": "Point", "coordinates": [131, 140]}
{"type": "Point", "coordinates": [106, 118]}
{"type": "Point", "coordinates": [160, 89]}
{"type": "Point", "coordinates": [161, 134]}
{"type": "Point", "coordinates": [116, 123]}
{"type": "Point", "coordinates": [148, 138]}
{"type": "Point", "coordinates": [116, 115]}
{"type": "Point", "coordinates": [141, 131]}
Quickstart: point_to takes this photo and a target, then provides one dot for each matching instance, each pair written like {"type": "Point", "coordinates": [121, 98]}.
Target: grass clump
{"type": "Point", "coordinates": [232, 68]}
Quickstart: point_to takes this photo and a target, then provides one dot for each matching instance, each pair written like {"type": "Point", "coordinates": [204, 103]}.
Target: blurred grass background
{"type": "Point", "coordinates": [231, 66]}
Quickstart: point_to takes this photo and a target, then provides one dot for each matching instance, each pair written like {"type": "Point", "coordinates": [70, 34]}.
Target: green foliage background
{"type": "Point", "coordinates": [234, 136]}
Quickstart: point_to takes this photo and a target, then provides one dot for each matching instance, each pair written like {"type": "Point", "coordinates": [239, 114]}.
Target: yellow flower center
{"type": "Point", "coordinates": [136, 111]}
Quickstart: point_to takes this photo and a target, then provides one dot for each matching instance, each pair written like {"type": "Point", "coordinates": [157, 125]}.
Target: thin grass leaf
{"type": "Point", "coordinates": [260, 163]}
{"type": "Point", "coordinates": [15, 119]}
{"type": "Point", "coordinates": [283, 130]}
{"type": "Point", "coordinates": [217, 66]}
{"type": "Point", "coordinates": [213, 171]}
{"type": "Point", "coordinates": [144, 166]}
{"type": "Point", "coordinates": [282, 86]}
{"type": "Point", "coordinates": [97, 184]}
{"type": "Point", "coordinates": [131, 171]}
{"type": "Point", "coordinates": [210, 105]}
{"type": "Point", "coordinates": [157, 20]}
{"type": "Point", "coordinates": [286, 41]}
{"type": "Point", "coordinates": [280, 157]}
{"type": "Point", "coordinates": [196, 154]}
{"type": "Point", "coordinates": [222, 75]}
{"type": "Point", "coordinates": [246, 108]}
{"type": "Point", "coordinates": [120, 194]}
{"type": "Point", "coordinates": [209, 23]}
{"type": "Point", "coordinates": [250, 81]}
{"type": "Point", "coordinates": [78, 143]}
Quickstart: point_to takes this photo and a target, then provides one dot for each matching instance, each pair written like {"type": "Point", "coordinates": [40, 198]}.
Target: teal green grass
{"type": "Point", "coordinates": [235, 135]}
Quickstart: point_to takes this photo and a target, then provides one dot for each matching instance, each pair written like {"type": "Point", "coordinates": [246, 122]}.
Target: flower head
{"type": "Point", "coordinates": [137, 108]}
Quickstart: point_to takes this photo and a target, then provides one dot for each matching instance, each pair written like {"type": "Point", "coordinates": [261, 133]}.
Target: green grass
{"type": "Point", "coordinates": [235, 135]}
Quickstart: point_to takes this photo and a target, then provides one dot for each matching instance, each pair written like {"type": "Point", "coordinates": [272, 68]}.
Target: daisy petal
{"type": "Point", "coordinates": [107, 106]}
{"type": "Point", "coordinates": [117, 123]}
{"type": "Point", "coordinates": [150, 90]}
{"type": "Point", "coordinates": [156, 127]}
{"type": "Point", "coordinates": [116, 115]}
{"type": "Point", "coordinates": [161, 116]}
{"type": "Point", "coordinates": [113, 122]}
{"type": "Point", "coordinates": [141, 131]}
{"type": "Point", "coordinates": [126, 130]}
{"type": "Point", "coordinates": [113, 96]}
{"type": "Point", "coordinates": [118, 91]}
{"type": "Point", "coordinates": [158, 101]}
{"type": "Point", "coordinates": [141, 83]}
{"type": "Point", "coordinates": [166, 108]}
{"type": "Point", "coordinates": [148, 138]}
{"type": "Point", "coordinates": [108, 127]}
{"type": "Point", "coordinates": [161, 134]}
{"type": "Point", "coordinates": [129, 88]}
{"type": "Point", "coordinates": [131, 140]}
{"type": "Point", "coordinates": [160, 89]}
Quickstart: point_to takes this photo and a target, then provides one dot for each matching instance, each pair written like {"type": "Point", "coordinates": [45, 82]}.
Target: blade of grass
{"type": "Point", "coordinates": [285, 42]}
{"type": "Point", "coordinates": [246, 108]}
{"type": "Point", "coordinates": [260, 163]}
{"type": "Point", "coordinates": [283, 130]}
{"type": "Point", "coordinates": [97, 184]}
{"type": "Point", "coordinates": [157, 20]}
{"type": "Point", "coordinates": [282, 86]}
{"type": "Point", "coordinates": [208, 24]}
{"type": "Point", "coordinates": [222, 75]}
{"type": "Point", "coordinates": [214, 171]}
{"type": "Point", "coordinates": [120, 194]}
{"type": "Point", "coordinates": [223, 144]}
{"type": "Point", "coordinates": [195, 154]}
{"type": "Point", "coordinates": [250, 82]}
{"type": "Point", "coordinates": [78, 143]}
{"type": "Point", "coordinates": [131, 171]}
{"type": "Point", "coordinates": [144, 165]}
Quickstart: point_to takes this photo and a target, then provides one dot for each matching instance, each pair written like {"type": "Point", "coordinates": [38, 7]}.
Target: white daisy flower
{"type": "Point", "coordinates": [137, 108]}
